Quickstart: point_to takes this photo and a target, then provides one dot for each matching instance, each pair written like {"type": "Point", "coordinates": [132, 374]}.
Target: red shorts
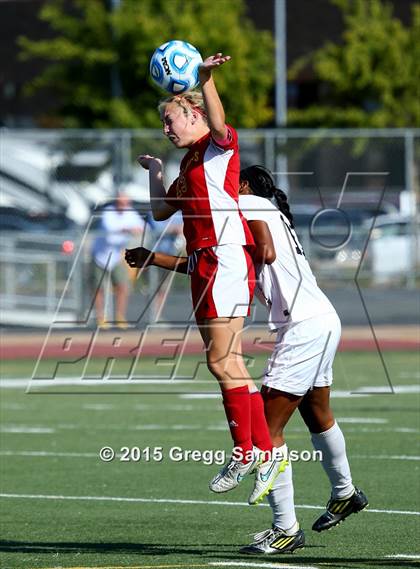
{"type": "Point", "coordinates": [222, 281]}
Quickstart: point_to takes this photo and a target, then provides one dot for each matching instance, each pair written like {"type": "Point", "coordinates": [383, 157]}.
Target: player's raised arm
{"type": "Point", "coordinates": [160, 208]}
{"type": "Point", "coordinates": [212, 102]}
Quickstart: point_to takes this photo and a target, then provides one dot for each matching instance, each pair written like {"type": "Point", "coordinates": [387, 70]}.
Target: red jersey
{"type": "Point", "coordinates": [206, 191]}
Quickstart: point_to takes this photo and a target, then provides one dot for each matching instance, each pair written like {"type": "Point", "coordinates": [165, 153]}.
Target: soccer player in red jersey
{"type": "Point", "coordinates": [219, 264]}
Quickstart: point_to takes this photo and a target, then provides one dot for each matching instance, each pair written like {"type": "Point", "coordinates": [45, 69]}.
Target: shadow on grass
{"type": "Point", "coordinates": [220, 550]}
{"type": "Point", "coordinates": [99, 547]}
{"type": "Point", "coordinates": [211, 549]}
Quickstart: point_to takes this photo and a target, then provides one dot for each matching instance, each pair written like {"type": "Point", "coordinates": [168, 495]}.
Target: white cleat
{"type": "Point", "coordinates": [265, 475]}
{"type": "Point", "coordinates": [231, 475]}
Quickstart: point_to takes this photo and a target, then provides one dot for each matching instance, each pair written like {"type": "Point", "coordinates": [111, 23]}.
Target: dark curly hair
{"type": "Point", "coordinates": [261, 182]}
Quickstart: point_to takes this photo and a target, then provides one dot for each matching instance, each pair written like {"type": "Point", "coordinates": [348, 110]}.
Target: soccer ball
{"type": "Point", "coordinates": [174, 66]}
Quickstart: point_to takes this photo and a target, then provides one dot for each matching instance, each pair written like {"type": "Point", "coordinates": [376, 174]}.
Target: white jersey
{"type": "Point", "coordinates": [288, 286]}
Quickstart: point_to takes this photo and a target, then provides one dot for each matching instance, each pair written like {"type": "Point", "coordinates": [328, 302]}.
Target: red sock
{"type": "Point", "coordinates": [259, 429]}
{"type": "Point", "coordinates": [237, 403]}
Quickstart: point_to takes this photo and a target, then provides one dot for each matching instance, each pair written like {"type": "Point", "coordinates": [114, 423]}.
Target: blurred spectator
{"type": "Point", "coordinates": [119, 224]}
{"type": "Point", "coordinates": [169, 239]}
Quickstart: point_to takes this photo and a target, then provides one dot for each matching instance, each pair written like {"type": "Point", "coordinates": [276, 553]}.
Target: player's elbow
{"type": "Point", "coordinates": [265, 255]}
{"type": "Point", "coordinates": [270, 257]}
{"type": "Point", "coordinates": [219, 131]}
{"type": "Point", "coordinates": [160, 214]}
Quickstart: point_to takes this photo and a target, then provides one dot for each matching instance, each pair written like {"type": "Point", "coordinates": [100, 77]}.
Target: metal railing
{"type": "Point", "coordinates": [349, 169]}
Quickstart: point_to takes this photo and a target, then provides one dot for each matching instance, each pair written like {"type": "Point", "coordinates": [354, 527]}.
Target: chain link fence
{"type": "Point", "coordinates": [353, 194]}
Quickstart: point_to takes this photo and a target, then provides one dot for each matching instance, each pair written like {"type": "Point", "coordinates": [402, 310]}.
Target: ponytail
{"type": "Point", "coordinates": [262, 184]}
{"type": "Point", "coordinates": [283, 204]}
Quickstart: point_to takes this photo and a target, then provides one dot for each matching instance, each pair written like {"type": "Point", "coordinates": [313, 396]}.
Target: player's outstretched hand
{"type": "Point", "coordinates": [138, 257]}
{"type": "Point", "coordinates": [213, 61]}
{"type": "Point", "coordinates": [146, 160]}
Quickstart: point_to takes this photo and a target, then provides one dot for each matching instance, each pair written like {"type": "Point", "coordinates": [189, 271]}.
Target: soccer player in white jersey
{"type": "Point", "coordinates": [299, 371]}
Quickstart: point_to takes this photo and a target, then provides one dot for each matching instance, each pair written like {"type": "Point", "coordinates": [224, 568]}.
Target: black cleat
{"type": "Point", "coordinates": [339, 510]}
{"type": "Point", "coordinates": [273, 541]}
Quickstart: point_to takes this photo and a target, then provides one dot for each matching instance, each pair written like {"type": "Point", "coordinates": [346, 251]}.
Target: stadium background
{"type": "Point", "coordinates": [64, 388]}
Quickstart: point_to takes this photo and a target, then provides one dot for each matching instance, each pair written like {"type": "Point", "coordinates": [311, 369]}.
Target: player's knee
{"type": "Point", "coordinates": [216, 368]}
{"type": "Point", "coordinates": [318, 422]}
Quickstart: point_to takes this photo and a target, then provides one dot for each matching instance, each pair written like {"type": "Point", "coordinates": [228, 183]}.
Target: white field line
{"type": "Point", "coordinates": [361, 420]}
{"type": "Point", "coordinates": [42, 453]}
{"type": "Point", "coordinates": [374, 390]}
{"type": "Point", "coordinates": [39, 429]}
{"type": "Point", "coordinates": [13, 383]}
{"type": "Point", "coordinates": [200, 396]}
{"type": "Point", "coordinates": [16, 429]}
{"type": "Point", "coordinates": [397, 388]}
{"type": "Point", "coordinates": [266, 565]}
{"type": "Point", "coordinates": [98, 407]}
{"type": "Point", "coordinates": [386, 457]}
{"type": "Point", "coordinates": [188, 502]}
{"type": "Point", "coordinates": [29, 383]}
{"type": "Point", "coordinates": [402, 556]}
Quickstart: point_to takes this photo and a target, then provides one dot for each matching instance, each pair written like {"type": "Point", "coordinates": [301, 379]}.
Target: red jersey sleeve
{"type": "Point", "coordinates": [171, 195]}
{"type": "Point", "coordinates": [231, 140]}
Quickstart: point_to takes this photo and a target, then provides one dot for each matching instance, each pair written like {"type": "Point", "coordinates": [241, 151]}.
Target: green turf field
{"type": "Point", "coordinates": [62, 506]}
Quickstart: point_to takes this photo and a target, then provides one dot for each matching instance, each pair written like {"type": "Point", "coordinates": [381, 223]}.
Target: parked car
{"type": "Point", "coordinates": [392, 246]}
{"type": "Point", "coordinates": [38, 232]}
{"type": "Point", "coordinates": [357, 214]}
{"type": "Point", "coordinates": [325, 230]}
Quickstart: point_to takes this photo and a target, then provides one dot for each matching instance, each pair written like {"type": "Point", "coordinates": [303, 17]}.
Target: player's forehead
{"type": "Point", "coordinates": [171, 111]}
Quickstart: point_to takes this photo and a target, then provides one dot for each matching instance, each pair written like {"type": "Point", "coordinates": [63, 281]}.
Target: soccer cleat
{"type": "Point", "coordinates": [265, 475]}
{"type": "Point", "coordinates": [339, 510]}
{"type": "Point", "coordinates": [273, 541]}
{"type": "Point", "coordinates": [230, 475]}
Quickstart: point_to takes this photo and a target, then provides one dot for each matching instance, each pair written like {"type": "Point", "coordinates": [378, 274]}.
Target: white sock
{"type": "Point", "coordinates": [332, 445]}
{"type": "Point", "coordinates": [281, 500]}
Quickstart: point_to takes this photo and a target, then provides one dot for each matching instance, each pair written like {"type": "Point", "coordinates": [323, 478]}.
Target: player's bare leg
{"type": "Point", "coordinates": [327, 437]}
{"type": "Point", "coordinates": [279, 406]}
{"type": "Point", "coordinates": [316, 411]}
{"type": "Point", "coordinates": [223, 340]}
{"type": "Point", "coordinates": [284, 536]}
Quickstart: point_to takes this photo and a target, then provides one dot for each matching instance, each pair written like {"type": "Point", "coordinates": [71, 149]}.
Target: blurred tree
{"type": "Point", "coordinates": [92, 42]}
{"type": "Point", "coordinates": [372, 78]}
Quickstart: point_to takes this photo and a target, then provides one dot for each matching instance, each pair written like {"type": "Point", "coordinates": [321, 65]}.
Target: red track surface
{"type": "Point", "coordinates": [70, 345]}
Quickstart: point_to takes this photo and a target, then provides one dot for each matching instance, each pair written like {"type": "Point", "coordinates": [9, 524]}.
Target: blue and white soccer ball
{"type": "Point", "coordinates": [174, 66]}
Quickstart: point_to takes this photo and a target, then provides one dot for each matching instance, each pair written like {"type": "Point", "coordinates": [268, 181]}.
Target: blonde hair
{"type": "Point", "coordinates": [192, 100]}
